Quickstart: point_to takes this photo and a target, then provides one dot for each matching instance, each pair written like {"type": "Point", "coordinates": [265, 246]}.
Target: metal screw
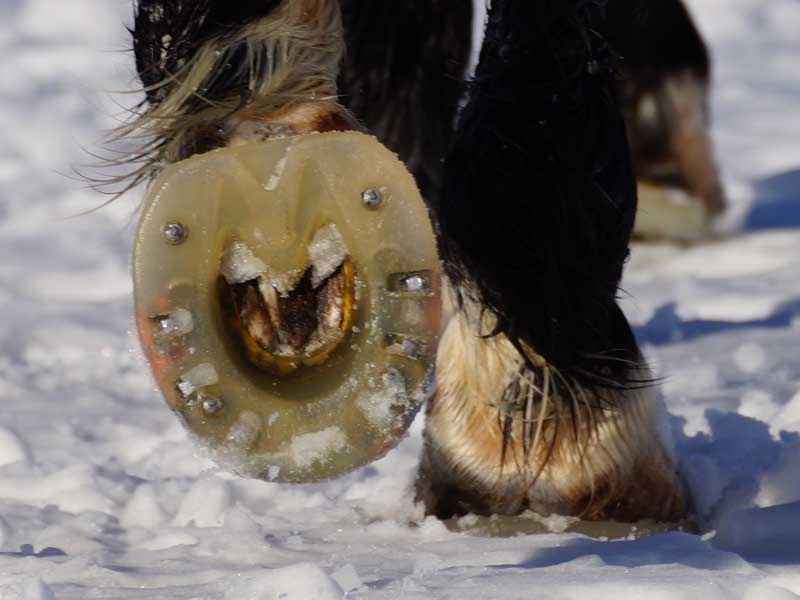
{"type": "Point", "coordinates": [175, 233]}
{"type": "Point", "coordinates": [212, 406]}
{"type": "Point", "coordinates": [415, 283]}
{"type": "Point", "coordinates": [409, 347]}
{"type": "Point", "coordinates": [372, 198]}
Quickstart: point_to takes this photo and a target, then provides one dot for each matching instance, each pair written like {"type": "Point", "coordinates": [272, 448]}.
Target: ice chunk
{"type": "Point", "coordinates": [326, 253]}
{"type": "Point", "coordinates": [175, 324]}
{"type": "Point", "coordinates": [199, 377]}
{"type": "Point", "coordinates": [239, 264]}
{"type": "Point", "coordinates": [309, 448]}
{"type": "Point", "coordinates": [554, 523]}
{"type": "Point", "coordinates": [245, 431]}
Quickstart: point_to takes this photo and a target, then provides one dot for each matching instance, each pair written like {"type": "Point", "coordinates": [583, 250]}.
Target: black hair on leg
{"type": "Point", "coordinates": [168, 33]}
{"type": "Point", "coordinates": [656, 38]}
{"type": "Point", "coordinates": [214, 71]}
{"type": "Point", "coordinates": [403, 76]}
{"type": "Point", "coordinates": [539, 194]}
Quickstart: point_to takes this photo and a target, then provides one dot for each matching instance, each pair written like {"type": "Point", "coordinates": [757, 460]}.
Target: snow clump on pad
{"type": "Point", "coordinates": [309, 448]}
{"type": "Point", "coordinates": [326, 253]}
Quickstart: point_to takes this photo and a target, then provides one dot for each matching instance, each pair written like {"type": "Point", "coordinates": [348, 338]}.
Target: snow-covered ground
{"type": "Point", "coordinates": [103, 496]}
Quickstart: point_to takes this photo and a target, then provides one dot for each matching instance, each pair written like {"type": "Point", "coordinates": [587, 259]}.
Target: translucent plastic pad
{"type": "Point", "coordinates": [274, 211]}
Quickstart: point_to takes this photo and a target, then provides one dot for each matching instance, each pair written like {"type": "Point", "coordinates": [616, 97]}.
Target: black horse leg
{"type": "Point", "coordinates": [542, 398]}
{"type": "Point", "coordinates": [403, 76]}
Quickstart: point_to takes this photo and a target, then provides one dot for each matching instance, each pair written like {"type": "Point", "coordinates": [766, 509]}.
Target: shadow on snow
{"type": "Point", "coordinates": [776, 204]}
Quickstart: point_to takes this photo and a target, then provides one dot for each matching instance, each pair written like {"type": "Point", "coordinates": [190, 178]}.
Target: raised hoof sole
{"type": "Point", "coordinates": [287, 300]}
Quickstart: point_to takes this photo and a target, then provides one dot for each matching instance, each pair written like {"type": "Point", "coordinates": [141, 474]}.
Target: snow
{"type": "Point", "coordinates": [103, 495]}
{"type": "Point", "coordinates": [381, 407]}
{"type": "Point", "coordinates": [244, 431]}
{"type": "Point", "coordinates": [5, 532]}
{"type": "Point", "coordinates": [308, 448]}
{"type": "Point", "coordinates": [12, 448]}
{"type": "Point", "coordinates": [203, 375]}
{"type": "Point", "coordinates": [178, 323]}
{"type": "Point", "coordinates": [28, 589]}
{"type": "Point", "coordinates": [239, 264]}
{"type": "Point", "coordinates": [750, 358]}
{"type": "Point", "coordinates": [326, 253]}
{"type": "Point", "coordinates": [204, 504]}
{"type": "Point", "coordinates": [296, 582]}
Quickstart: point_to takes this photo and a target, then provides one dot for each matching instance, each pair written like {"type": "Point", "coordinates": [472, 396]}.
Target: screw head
{"type": "Point", "coordinates": [372, 198]}
{"type": "Point", "coordinates": [415, 283]}
{"type": "Point", "coordinates": [409, 347]}
{"type": "Point", "coordinates": [175, 233]}
{"type": "Point", "coordinates": [212, 406]}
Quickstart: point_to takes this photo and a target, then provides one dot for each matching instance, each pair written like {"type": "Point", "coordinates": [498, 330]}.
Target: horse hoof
{"type": "Point", "coordinates": [287, 299]}
{"type": "Point", "coordinates": [670, 213]}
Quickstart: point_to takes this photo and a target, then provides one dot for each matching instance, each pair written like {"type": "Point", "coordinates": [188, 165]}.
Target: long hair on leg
{"type": "Point", "coordinates": [539, 196]}
{"type": "Point", "coordinates": [543, 400]}
{"type": "Point", "coordinates": [217, 73]}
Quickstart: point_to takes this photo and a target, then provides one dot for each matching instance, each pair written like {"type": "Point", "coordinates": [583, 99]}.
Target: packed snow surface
{"type": "Point", "coordinates": [103, 496]}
